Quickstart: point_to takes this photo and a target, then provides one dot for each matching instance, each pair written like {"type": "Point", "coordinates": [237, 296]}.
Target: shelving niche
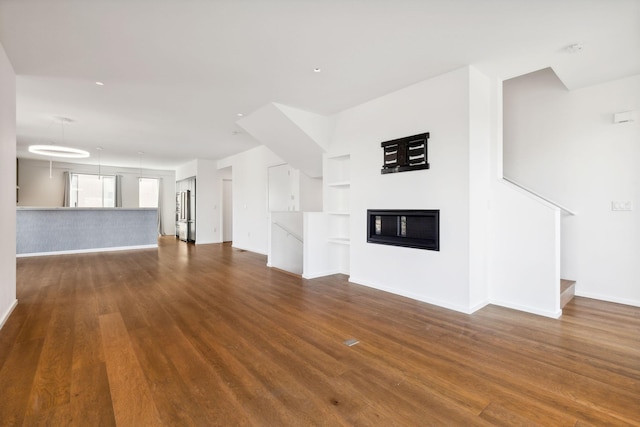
{"type": "Point", "coordinates": [337, 178]}
{"type": "Point", "coordinates": [327, 234]}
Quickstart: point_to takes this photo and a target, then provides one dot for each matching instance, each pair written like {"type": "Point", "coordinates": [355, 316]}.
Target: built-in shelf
{"type": "Point", "coordinates": [339, 157]}
{"type": "Point", "coordinates": [340, 240]}
{"type": "Point", "coordinates": [337, 204]}
{"type": "Point", "coordinates": [340, 184]}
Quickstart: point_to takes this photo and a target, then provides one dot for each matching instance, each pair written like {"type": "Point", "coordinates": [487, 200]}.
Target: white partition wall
{"type": "Point", "coordinates": [525, 252]}
{"type": "Point", "coordinates": [250, 197]}
{"type": "Point", "coordinates": [7, 187]}
{"type": "Point", "coordinates": [286, 241]}
{"type": "Point", "coordinates": [441, 106]}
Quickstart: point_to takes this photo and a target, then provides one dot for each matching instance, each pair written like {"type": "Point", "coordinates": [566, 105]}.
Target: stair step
{"type": "Point", "coordinates": [567, 291]}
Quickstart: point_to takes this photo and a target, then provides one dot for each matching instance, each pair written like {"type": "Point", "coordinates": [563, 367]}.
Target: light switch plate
{"type": "Point", "coordinates": [621, 206]}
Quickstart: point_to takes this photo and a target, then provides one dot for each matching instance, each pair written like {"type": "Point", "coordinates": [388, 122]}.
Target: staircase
{"type": "Point", "coordinates": [567, 291]}
{"type": "Point", "coordinates": [538, 230]}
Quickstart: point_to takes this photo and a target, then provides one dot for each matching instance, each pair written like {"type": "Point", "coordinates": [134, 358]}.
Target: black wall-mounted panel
{"type": "Point", "coordinates": [405, 154]}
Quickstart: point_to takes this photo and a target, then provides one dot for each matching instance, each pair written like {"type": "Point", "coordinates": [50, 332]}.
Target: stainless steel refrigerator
{"type": "Point", "coordinates": [186, 224]}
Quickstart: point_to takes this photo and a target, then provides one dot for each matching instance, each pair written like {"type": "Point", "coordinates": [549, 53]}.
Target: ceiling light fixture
{"type": "Point", "coordinates": [58, 151]}
{"type": "Point", "coordinates": [317, 70]}
{"type": "Point", "coordinates": [100, 83]}
{"type": "Point", "coordinates": [240, 115]}
{"type": "Point", "coordinates": [574, 48]}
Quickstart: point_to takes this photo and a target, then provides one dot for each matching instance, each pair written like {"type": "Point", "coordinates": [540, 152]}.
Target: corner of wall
{"type": "Point", "coordinates": [7, 186]}
{"type": "Point", "coordinates": [5, 316]}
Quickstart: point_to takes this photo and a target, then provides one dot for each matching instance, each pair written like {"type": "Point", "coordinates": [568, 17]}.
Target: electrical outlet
{"type": "Point", "coordinates": [621, 206]}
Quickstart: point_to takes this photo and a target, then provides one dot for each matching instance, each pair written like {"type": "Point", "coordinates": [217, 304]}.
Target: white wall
{"type": "Point", "coordinates": [226, 204]}
{"type": "Point", "coordinates": [187, 170]}
{"type": "Point", "coordinates": [441, 106]}
{"type": "Point", "coordinates": [480, 97]}
{"type": "Point", "coordinates": [37, 189]}
{"type": "Point", "coordinates": [524, 261]}
{"type": "Point", "coordinates": [291, 189]}
{"type": "Point", "coordinates": [208, 203]}
{"type": "Point", "coordinates": [310, 193]}
{"type": "Point", "coordinates": [284, 189]}
{"type": "Point", "coordinates": [564, 145]}
{"type": "Point", "coordinates": [250, 188]}
{"type": "Point", "coordinates": [317, 256]}
{"type": "Point", "coordinates": [7, 187]}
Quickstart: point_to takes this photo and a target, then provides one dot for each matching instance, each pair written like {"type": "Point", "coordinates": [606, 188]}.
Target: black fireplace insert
{"type": "Point", "coordinates": [409, 228]}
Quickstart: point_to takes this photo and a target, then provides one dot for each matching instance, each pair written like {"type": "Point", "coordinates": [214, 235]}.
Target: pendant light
{"type": "Point", "coordinates": [140, 153]}
{"type": "Point", "coordinates": [99, 162]}
{"type": "Point", "coordinates": [52, 150]}
{"type": "Point", "coordinates": [59, 150]}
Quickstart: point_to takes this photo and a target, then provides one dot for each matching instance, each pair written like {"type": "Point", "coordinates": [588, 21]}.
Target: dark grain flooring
{"type": "Point", "coordinates": [208, 335]}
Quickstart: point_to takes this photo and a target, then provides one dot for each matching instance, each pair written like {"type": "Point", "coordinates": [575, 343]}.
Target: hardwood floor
{"type": "Point", "coordinates": [208, 335]}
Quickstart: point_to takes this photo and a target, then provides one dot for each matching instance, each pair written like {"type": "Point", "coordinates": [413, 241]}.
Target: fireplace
{"type": "Point", "coordinates": [410, 228]}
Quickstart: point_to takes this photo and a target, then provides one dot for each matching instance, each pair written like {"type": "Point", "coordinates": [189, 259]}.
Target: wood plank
{"type": "Point", "coordinates": [91, 403]}
{"type": "Point", "coordinates": [133, 403]}
{"type": "Point", "coordinates": [11, 330]}
{"type": "Point", "coordinates": [171, 395]}
{"type": "Point", "coordinates": [41, 308]}
{"type": "Point", "coordinates": [16, 379]}
{"type": "Point", "coordinates": [499, 414]}
{"type": "Point", "coordinates": [52, 416]}
{"type": "Point", "coordinates": [52, 382]}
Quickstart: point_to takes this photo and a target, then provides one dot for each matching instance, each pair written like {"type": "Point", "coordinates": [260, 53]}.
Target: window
{"type": "Point", "coordinates": [148, 192]}
{"type": "Point", "coordinates": [93, 191]}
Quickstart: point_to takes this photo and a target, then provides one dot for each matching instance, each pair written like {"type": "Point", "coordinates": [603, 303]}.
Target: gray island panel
{"type": "Point", "coordinates": [67, 230]}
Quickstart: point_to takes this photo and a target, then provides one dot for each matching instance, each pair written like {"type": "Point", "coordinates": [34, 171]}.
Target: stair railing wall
{"type": "Point", "coordinates": [525, 251]}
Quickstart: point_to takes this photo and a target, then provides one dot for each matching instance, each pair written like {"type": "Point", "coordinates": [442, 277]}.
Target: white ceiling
{"type": "Point", "coordinates": [177, 73]}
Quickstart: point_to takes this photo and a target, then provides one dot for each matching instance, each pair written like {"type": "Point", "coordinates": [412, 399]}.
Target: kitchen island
{"type": "Point", "coordinates": [50, 231]}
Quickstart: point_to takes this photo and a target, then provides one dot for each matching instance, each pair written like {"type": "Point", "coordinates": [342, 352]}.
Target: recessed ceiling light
{"type": "Point", "coordinates": [317, 70]}
{"type": "Point", "coordinates": [100, 83]}
{"type": "Point", "coordinates": [574, 48]}
{"type": "Point", "coordinates": [240, 115]}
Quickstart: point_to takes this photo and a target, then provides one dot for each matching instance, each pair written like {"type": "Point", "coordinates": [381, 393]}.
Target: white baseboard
{"type": "Point", "coordinates": [455, 307]}
{"type": "Point", "coordinates": [84, 251]}
{"type": "Point", "coordinates": [6, 315]}
{"type": "Point", "coordinates": [417, 297]}
{"type": "Point", "coordinates": [527, 309]}
{"type": "Point", "coordinates": [606, 298]}
{"type": "Point", "coordinates": [479, 306]}
{"type": "Point", "coordinates": [320, 274]}
{"type": "Point", "coordinates": [248, 250]}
